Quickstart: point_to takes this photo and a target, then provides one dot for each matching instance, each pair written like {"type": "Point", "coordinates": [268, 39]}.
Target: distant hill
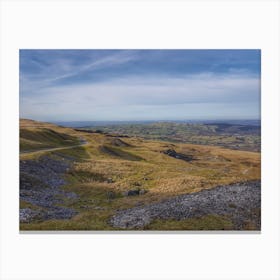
{"type": "Point", "coordinates": [103, 123]}
{"type": "Point", "coordinates": [229, 135]}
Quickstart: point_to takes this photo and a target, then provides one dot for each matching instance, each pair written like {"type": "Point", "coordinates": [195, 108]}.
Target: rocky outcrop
{"type": "Point", "coordinates": [26, 215]}
{"type": "Point", "coordinates": [237, 201]}
{"type": "Point", "coordinates": [134, 192]}
{"type": "Point", "coordinates": [40, 185]}
{"type": "Point", "coordinates": [174, 154]}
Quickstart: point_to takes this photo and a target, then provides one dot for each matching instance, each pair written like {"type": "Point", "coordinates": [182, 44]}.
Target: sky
{"type": "Point", "coordinates": [129, 85]}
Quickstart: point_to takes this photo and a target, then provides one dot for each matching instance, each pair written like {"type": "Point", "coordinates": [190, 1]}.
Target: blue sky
{"type": "Point", "coordinates": [95, 85]}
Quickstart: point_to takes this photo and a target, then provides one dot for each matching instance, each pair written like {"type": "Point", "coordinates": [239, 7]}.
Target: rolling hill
{"type": "Point", "coordinates": [75, 179]}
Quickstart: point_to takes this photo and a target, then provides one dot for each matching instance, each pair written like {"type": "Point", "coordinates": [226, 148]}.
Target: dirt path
{"type": "Point", "coordinates": [51, 149]}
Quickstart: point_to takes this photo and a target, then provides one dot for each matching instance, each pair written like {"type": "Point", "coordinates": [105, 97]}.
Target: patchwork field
{"type": "Point", "coordinates": [237, 136]}
{"type": "Point", "coordinates": [75, 179]}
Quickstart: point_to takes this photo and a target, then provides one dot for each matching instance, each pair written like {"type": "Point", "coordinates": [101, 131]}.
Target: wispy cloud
{"type": "Point", "coordinates": [132, 84]}
{"type": "Point", "coordinates": [109, 61]}
{"type": "Point", "coordinates": [142, 92]}
{"type": "Point", "coordinates": [61, 69]}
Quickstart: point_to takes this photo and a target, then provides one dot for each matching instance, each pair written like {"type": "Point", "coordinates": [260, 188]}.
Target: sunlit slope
{"type": "Point", "coordinates": [145, 163]}
{"type": "Point", "coordinates": [38, 135]}
{"type": "Point", "coordinates": [108, 166]}
{"type": "Point", "coordinates": [131, 160]}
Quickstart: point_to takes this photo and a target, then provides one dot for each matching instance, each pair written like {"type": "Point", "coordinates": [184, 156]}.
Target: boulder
{"type": "Point", "coordinates": [131, 192]}
{"type": "Point", "coordinates": [110, 181]}
{"type": "Point", "coordinates": [111, 195]}
{"type": "Point", "coordinates": [142, 191]}
{"type": "Point", "coordinates": [134, 192]}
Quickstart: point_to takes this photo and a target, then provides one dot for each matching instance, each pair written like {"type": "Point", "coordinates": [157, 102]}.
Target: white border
{"type": "Point", "coordinates": [156, 24]}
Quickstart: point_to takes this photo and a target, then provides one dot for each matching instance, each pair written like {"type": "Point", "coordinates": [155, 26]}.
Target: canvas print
{"type": "Point", "coordinates": [140, 140]}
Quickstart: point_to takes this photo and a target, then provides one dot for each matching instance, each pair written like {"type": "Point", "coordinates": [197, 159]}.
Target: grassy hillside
{"type": "Point", "coordinates": [103, 171]}
{"type": "Point", "coordinates": [36, 135]}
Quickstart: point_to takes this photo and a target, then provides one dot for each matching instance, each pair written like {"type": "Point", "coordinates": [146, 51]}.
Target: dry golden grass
{"type": "Point", "coordinates": [161, 175]}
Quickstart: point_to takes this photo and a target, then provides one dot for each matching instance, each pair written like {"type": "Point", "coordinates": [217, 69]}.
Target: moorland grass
{"type": "Point", "coordinates": [142, 163]}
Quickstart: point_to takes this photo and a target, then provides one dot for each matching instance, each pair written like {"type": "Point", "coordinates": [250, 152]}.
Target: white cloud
{"type": "Point", "coordinates": [138, 97]}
